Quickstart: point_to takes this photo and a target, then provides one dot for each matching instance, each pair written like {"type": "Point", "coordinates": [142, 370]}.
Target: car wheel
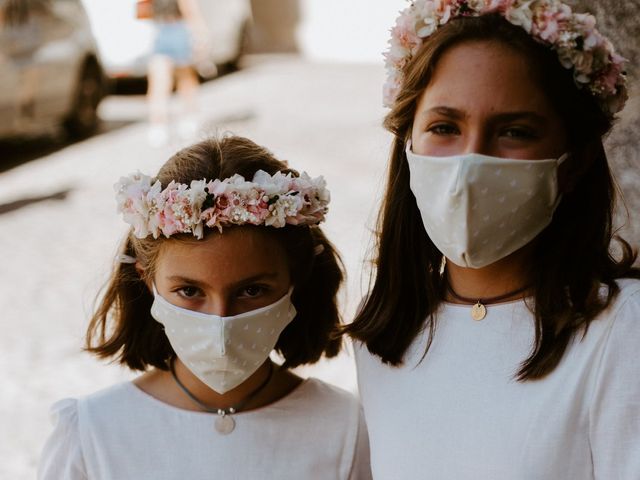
{"type": "Point", "coordinates": [83, 119]}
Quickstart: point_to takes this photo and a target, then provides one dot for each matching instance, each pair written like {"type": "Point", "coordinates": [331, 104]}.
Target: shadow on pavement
{"type": "Point", "coordinates": [16, 151]}
{"type": "Point", "coordinates": [25, 202]}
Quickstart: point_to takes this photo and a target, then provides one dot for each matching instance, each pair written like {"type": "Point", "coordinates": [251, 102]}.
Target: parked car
{"type": "Point", "coordinates": [50, 72]}
{"type": "Point", "coordinates": [125, 41]}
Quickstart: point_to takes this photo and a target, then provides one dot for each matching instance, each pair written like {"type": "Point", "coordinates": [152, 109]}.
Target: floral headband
{"type": "Point", "coordinates": [270, 200]}
{"type": "Point", "coordinates": [596, 66]}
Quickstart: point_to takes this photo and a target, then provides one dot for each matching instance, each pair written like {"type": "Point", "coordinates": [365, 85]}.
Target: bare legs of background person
{"type": "Point", "coordinates": [160, 85]}
{"type": "Point", "coordinates": [188, 85]}
{"type": "Point", "coordinates": [160, 77]}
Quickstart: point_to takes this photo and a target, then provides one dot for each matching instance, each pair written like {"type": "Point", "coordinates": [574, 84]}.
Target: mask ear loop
{"type": "Point", "coordinates": [124, 258]}
{"type": "Point", "coordinates": [563, 158]}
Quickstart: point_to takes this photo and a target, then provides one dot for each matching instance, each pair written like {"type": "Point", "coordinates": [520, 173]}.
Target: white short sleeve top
{"type": "Point", "coordinates": [315, 432]}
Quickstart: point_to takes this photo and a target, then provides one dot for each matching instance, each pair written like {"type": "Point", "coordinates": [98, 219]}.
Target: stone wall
{"type": "Point", "coordinates": [620, 21]}
{"type": "Point", "coordinates": [274, 26]}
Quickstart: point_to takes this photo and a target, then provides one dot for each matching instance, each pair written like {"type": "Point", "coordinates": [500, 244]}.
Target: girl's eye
{"type": "Point", "coordinates": [519, 133]}
{"type": "Point", "coordinates": [252, 291]}
{"type": "Point", "coordinates": [443, 129]}
{"type": "Point", "coordinates": [188, 292]}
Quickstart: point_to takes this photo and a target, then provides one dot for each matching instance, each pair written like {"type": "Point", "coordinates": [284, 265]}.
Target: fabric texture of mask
{"type": "Point", "coordinates": [478, 209]}
{"type": "Point", "coordinates": [223, 351]}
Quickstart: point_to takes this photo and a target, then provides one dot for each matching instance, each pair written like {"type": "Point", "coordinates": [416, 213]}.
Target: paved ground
{"type": "Point", "coordinates": [59, 227]}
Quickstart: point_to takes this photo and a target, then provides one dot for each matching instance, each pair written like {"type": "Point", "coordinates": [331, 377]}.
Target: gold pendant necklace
{"type": "Point", "coordinates": [479, 310]}
{"type": "Point", "coordinates": [224, 422]}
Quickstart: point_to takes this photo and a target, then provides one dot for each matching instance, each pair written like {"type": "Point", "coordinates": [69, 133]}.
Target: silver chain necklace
{"type": "Point", "coordinates": [224, 422]}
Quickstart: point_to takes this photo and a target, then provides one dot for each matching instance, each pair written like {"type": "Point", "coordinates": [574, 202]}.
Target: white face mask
{"type": "Point", "coordinates": [223, 351]}
{"type": "Point", "coordinates": [478, 209]}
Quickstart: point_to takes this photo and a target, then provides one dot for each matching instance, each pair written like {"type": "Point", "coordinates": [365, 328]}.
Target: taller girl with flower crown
{"type": "Point", "coordinates": [499, 340]}
{"type": "Point", "coordinates": [223, 264]}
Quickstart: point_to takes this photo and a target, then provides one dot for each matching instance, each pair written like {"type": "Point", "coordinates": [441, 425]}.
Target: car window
{"type": "Point", "coordinates": [20, 32]}
{"type": "Point", "coordinates": [14, 13]}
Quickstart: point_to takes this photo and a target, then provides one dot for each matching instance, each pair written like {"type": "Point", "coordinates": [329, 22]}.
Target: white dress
{"type": "Point", "coordinates": [459, 414]}
{"type": "Point", "coordinates": [121, 433]}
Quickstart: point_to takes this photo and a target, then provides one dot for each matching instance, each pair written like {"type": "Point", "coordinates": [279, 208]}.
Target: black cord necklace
{"type": "Point", "coordinates": [224, 423]}
{"type": "Point", "coordinates": [479, 309]}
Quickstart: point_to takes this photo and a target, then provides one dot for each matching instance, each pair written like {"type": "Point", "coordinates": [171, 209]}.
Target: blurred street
{"type": "Point", "coordinates": [60, 228]}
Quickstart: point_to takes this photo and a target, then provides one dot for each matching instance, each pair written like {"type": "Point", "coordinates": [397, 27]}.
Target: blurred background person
{"type": "Point", "coordinates": [181, 36]}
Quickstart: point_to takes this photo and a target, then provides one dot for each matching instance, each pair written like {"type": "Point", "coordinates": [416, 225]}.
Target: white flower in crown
{"type": "Point", "coordinates": [270, 200]}
{"type": "Point", "coordinates": [154, 203]}
{"type": "Point", "coordinates": [134, 202]}
{"type": "Point", "coordinates": [521, 15]}
{"type": "Point", "coordinates": [314, 195]}
{"type": "Point", "coordinates": [286, 207]}
{"type": "Point", "coordinates": [273, 184]}
{"type": "Point", "coordinates": [426, 22]}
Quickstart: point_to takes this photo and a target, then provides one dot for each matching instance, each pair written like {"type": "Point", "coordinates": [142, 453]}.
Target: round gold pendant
{"type": "Point", "coordinates": [478, 312]}
{"type": "Point", "coordinates": [225, 424]}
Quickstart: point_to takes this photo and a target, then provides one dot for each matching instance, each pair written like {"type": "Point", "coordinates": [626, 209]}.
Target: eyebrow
{"type": "Point", "coordinates": [453, 113]}
{"type": "Point", "coordinates": [244, 281]}
{"type": "Point", "coordinates": [457, 114]}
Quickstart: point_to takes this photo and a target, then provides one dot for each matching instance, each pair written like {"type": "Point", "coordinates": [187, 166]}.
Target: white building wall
{"type": "Point", "coordinates": [346, 30]}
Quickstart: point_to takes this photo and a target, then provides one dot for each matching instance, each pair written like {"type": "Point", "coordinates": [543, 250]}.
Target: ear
{"type": "Point", "coordinates": [575, 166]}
{"type": "Point", "coordinates": [143, 276]}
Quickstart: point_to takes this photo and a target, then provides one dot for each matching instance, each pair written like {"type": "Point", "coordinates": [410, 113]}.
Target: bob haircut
{"type": "Point", "coordinates": [571, 257]}
{"type": "Point", "coordinates": [122, 325]}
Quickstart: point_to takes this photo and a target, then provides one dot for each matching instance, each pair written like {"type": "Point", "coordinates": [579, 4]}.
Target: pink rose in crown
{"type": "Point", "coordinates": [405, 33]}
{"type": "Point", "coordinates": [550, 21]}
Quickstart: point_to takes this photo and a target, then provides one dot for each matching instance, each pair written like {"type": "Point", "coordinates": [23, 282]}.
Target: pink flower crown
{"type": "Point", "coordinates": [573, 36]}
{"type": "Point", "coordinates": [269, 200]}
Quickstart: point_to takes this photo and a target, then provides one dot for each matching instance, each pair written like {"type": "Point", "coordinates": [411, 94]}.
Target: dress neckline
{"type": "Point", "coordinates": [129, 385]}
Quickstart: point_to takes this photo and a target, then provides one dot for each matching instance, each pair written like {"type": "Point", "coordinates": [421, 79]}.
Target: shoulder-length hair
{"type": "Point", "coordinates": [571, 258]}
{"type": "Point", "coordinates": [122, 326]}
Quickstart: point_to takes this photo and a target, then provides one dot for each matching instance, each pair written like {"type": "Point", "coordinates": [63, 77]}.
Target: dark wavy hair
{"type": "Point", "coordinates": [571, 257]}
{"type": "Point", "coordinates": [122, 326]}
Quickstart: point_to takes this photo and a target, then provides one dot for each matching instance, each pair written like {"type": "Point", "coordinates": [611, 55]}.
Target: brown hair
{"type": "Point", "coordinates": [571, 256]}
{"type": "Point", "coordinates": [122, 326]}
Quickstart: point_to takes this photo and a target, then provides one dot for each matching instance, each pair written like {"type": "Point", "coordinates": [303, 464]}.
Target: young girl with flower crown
{"type": "Point", "coordinates": [499, 340]}
{"type": "Point", "coordinates": [223, 264]}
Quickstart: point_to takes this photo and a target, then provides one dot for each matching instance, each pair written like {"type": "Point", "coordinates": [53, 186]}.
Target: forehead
{"type": "Point", "coordinates": [238, 252]}
{"type": "Point", "coordinates": [484, 75]}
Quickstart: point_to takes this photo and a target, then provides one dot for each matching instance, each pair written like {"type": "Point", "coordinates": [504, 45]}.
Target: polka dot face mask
{"type": "Point", "coordinates": [478, 209]}
{"type": "Point", "coordinates": [223, 351]}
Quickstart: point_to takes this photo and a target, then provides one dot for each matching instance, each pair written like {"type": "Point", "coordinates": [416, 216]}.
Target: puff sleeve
{"type": "Point", "coordinates": [61, 457]}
